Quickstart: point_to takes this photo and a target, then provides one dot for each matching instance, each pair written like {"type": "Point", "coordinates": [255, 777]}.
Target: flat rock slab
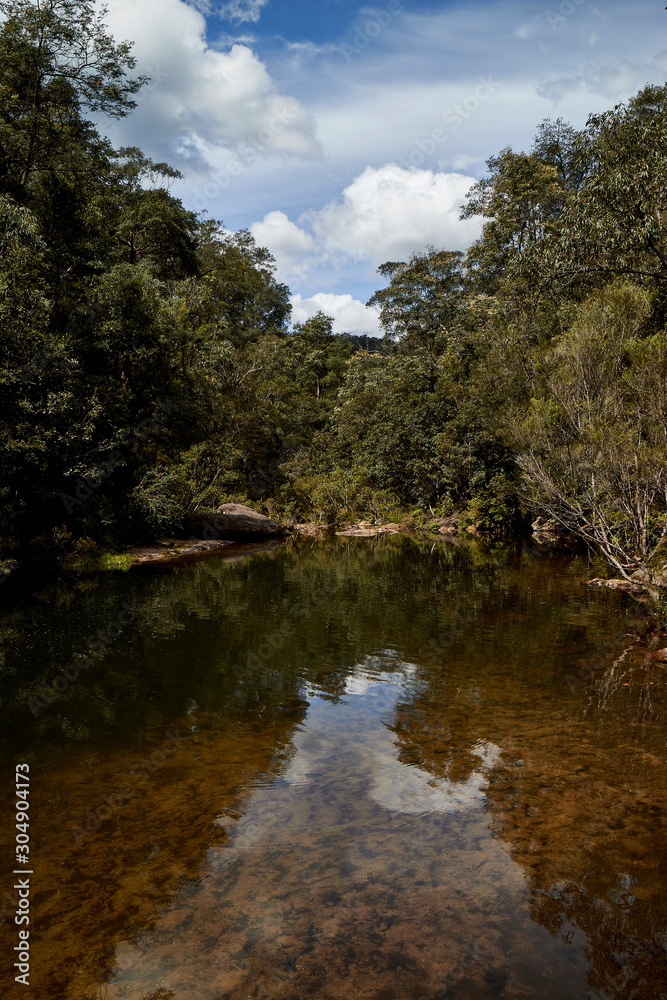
{"type": "Point", "coordinates": [163, 551]}
{"type": "Point", "coordinates": [631, 588]}
{"type": "Point", "coordinates": [232, 522]}
{"type": "Point", "coordinates": [385, 529]}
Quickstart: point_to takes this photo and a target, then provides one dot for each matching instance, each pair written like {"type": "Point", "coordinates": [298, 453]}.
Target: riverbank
{"type": "Point", "coordinates": [237, 529]}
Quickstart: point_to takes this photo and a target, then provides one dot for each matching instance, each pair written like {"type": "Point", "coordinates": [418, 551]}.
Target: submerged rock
{"type": "Point", "coordinates": [358, 532]}
{"type": "Point", "coordinates": [363, 530]}
{"type": "Point", "coordinates": [631, 588]}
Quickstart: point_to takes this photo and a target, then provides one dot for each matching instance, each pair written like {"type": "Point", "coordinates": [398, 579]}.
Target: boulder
{"type": "Point", "coordinates": [233, 522]}
{"type": "Point", "coordinates": [654, 578]}
{"type": "Point", "coordinates": [238, 508]}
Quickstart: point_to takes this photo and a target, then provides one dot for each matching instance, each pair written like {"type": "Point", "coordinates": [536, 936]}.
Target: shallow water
{"type": "Point", "coordinates": [349, 769]}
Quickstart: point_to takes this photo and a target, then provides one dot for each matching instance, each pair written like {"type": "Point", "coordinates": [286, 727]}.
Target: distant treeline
{"type": "Point", "coordinates": [148, 367]}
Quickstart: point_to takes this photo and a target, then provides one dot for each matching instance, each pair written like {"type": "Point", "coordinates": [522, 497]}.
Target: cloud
{"type": "Point", "coordinates": [409, 789]}
{"type": "Point", "coordinates": [606, 81]}
{"type": "Point", "coordinates": [235, 10]}
{"type": "Point", "coordinates": [242, 10]}
{"type": "Point", "coordinates": [387, 213]}
{"type": "Point", "coordinates": [202, 100]}
{"type": "Point", "coordinates": [349, 315]}
{"type": "Point", "coordinates": [211, 99]}
{"type": "Point", "coordinates": [293, 248]}
{"type": "Point", "coordinates": [460, 162]}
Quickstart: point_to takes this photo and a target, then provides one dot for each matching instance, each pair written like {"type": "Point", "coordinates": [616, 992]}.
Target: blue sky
{"type": "Point", "coordinates": [345, 134]}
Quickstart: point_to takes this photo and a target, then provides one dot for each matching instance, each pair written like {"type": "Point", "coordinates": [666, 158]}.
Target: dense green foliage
{"type": "Point", "coordinates": [148, 367]}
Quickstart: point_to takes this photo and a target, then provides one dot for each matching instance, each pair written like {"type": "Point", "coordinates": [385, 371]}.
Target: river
{"type": "Point", "coordinates": [342, 769]}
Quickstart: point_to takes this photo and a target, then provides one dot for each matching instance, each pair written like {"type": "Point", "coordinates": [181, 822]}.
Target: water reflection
{"type": "Point", "coordinates": [388, 788]}
{"type": "Point", "coordinates": [579, 797]}
{"type": "Point", "coordinates": [350, 874]}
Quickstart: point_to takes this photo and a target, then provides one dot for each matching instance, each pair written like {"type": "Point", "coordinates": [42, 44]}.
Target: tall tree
{"type": "Point", "coordinates": [520, 203]}
{"type": "Point", "coordinates": [56, 62]}
{"type": "Point", "coordinates": [420, 308]}
{"type": "Point", "coordinates": [615, 225]}
{"type": "Point", "coordinates": [145, 223]}
{"type": "Point", "coordinates": [559, 145]}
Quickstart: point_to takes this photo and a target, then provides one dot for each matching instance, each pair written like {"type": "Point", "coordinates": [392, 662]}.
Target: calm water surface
{"type": "Point", "coordinates": [350, 769]}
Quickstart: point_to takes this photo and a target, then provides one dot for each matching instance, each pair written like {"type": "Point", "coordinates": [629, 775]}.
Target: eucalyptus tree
{"type": "Point", "coordinates": [420, 307]}
{"type": "Point", "coordinates": [615, 225]}
{"type": "Point", "coordinates": [559, 144]}
{"type": "Point", "coordinates": [520, 203]}
{"type": "Point", "coordinates": [145, 224]}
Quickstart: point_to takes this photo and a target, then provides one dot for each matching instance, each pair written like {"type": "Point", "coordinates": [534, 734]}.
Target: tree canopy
{"type": "Point", "coordinates": [148, 367]}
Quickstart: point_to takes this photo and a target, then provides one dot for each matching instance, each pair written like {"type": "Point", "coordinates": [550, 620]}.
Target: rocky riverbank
{"type": "Point", "coordinates": [237, 528]}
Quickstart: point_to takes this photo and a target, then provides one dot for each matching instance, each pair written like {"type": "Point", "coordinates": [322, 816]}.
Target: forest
{"type": "Point", "coordinates": [149, 367]}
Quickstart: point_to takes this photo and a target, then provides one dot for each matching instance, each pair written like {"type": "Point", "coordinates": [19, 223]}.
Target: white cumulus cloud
{"type": "Point", "coordinates": [294, 249]}
{"type": "Point", "coordinates": [200, 99]}
{"type": "Point", "coordinates": [387, 213]}
{"type": "Point", "coordinates": [349, 315]}
{"type": "Point", "coordinates": [384, 214]}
